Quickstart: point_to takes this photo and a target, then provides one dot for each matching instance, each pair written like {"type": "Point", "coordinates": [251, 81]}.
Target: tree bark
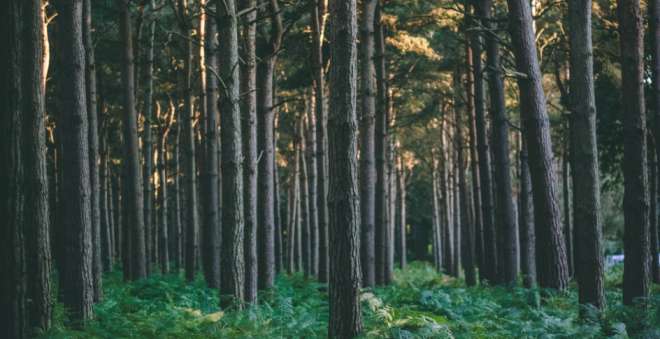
{"type": "Point", "coordinates": [312, 171]}
{"type": "Point", "coordinates": [78, 293]}
{"type": "Point", "coordinates": [550, 245]}
{"type": "Point", "coordinates": [266, 147]}
{"type": "Point", "coordinates": [636, 273]}
{"type": "Point", "coordinates": [210, 188]}
{"type": "Point", "coordinates": [373, 235]}
{"type": "Point", "coordinates": [249, 125]}
{"type": "Point", "coordinates": [584, 155]}
{"type": "Point", "coordinates": [654, 27]}
{"type": "Point", "coordinates": [90, 75]}
{"type": "Point", "coordinates": [233, 270]}
{"type": "Point", "coordinates": [526, 222]}
{"type": "Point", "coordinates": [345, 315]}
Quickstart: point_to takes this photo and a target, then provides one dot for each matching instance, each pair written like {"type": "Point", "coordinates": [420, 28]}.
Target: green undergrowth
{"type": "Point", "coordinates": [420, 304]}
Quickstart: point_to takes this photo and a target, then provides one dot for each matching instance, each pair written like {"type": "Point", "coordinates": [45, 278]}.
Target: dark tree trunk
{"type": "Point", "coordinates": [249, 125]}
{"type": "Point", "coordinates": [233, 270]}
{"type": "Point", "coordinates": [147, 143]}
{"type": "Point", "coordinates": [507, 249]}
{"type": "Point", "coordinates": [306, 249]}
{"type": "Point", "coordinates": [106, 208]}
{"type": "Point", "coordinates": [312, 183]}
{"type": "Point", "coordinates": [466, 230]}
{"type": "Point", "coordinates": [278, 247]}
{"type": "Point", "coordinates": [445, 208]}
{"type": "Point", "coordinates": [373, 240]}
{"type": "Point", "coordinates": [25, 300]}
{"type": "Point", "coordinates": [345, 318]}
{"type": "Point", "coordinates": [526, 222]}
{"type": "Point", "coordinates": [550, 245]}
{"type": "Point", "coordinates": [584, 155]}
{"type": "Point", "coordinates": [210, 188]}
{"type": "Point", "coordinates": [189, 188]}
{"type": "Point", "coordinates": [78, 292]}
{"type": "Point", "coordinates": [568, 216]}
{"type": "Point", "coordinates": [636, 273]}
{"type": "Point", "coordinates": [654, 27]}
{"type": "Point", "coordinates": [92, 116]}
{"type": "Point", "coordinates": [266, 147]}
{"type": "Point", "coordinates": [318, 28]}
{"type": "Point", "coordinates": [177, 240]}
{"type": "Point", "coordinates": [132, 181]}
{"type": "Point", "coordinates": [401, 222]}
{"type": "Point", "coordinates": [164, 255]}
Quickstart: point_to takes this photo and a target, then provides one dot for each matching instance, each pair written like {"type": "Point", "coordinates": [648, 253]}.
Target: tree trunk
{"type": "Point", "coordinates": [312, 171]}
{"type": "Point", "coordinates": [90, 77]}
{"type": "Point", "coordinates": [318, 29]}
{"type": "Point", "coordinates": [266, 147]}
{"type": "Point", "coordinates": [654, 27]}
{"type": "Point", "coordinates": [345, 315]}
{"type": "Point", "coordinates": [147, 136]}
{"type": "Point", "coordinates": [550, 245]}
{"type": "Point", "coordinates": [306, 249]}
{"type": "Point", "coordinates": [584, 159]}
{"type": "Point", "coordinates": [466, 230]}
{"type": "Point", "coordinates": [210, 188]}
{"type": "Point", "coordinates": [233, 270]}
{"type": "Point", "coordinates": [526, 222]}
{"type": "Point", "coordinates": [636, 247]}
{"type": "Point", "coordinates": [177, 241]}
{"type": "Point", "coordinates": [164, 255]}
{"type": "Point", "coordinates": [78, 293]}
{"type": "Point", "coordinates": [373, 240]}
{"type": "Point", "coordinates": [568, 224]}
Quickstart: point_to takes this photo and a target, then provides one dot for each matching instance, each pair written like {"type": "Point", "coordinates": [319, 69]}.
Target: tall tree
{"type": "Point", "coordinates": [189, 188]}
{"type": "Point", "coordinates": [507, 267]}
{"type": "Point", "coordinates": [210, 188]}
{"type": "Point", "coordinates": [265, 141]}
{"type": "Point", "coordinates": [249, 125]}
{"type": "Point", "coordinates": [25, 264]}
{"type": "Point", "coordinates": [77, 285]}
{"type": "Point", "coordinates": [232, 276]}
{"type": "Point", "coordinates": [550, 246]}
{"type": "Point", "coordinates": [147, 140]}
{"type": "Point", "coordinates": [312, 171]}
{"type": "Point", "coordinates": [92, 116]}
{"type": "Point", "coordinates": [373, 240]}
{"type": "Point", "coordinates": [584, 156]}
{"type": "Point", "coordinates": [526, 221]}
{"type": "Point", "coordinates": [345, 318]}
{"type": "Point", "coordinates": [654, 27]}
{"type": "Point", "coordinates": [132, 180]}
{"type": "Point", "coordinates": [635, 173]}
{"type": "Point", "coordinates": [318, 30]}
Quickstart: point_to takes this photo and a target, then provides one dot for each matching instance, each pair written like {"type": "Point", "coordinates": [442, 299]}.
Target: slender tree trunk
{"type": "Point", "coordinates": [550, 245]}
{"type": "Point", "coordinates": [568, 224]}
{"type": "Point", "coordinates": [345, 315]}
{"type": "Point", "coordinates": [445, 200]}
{"type": "Point", "coordinates": [106, 209]}
{"type": "Point", "coordinates": [636, 273]}
{"type": "Point", "coordinates": [178, 228]}
{"type": "Point", "coordinates": [654, 27]}
{"type": "Point", "coordinates": [373, 240]}
{"type": "Point", "coordinates": [232, 277]}
{"type": "Point", "coordinates": [132, 182]}
{"type": "Point", "coordinates": [164, 255]}
{"type": "Point", "coordinates": [526, 222]}
{"type": "Point", "coordinates": [266, 147]}
{"type": "Point", "coordinates": [90, 77]}
{"type": "Point", "coordinates": [653, 212]}
{"type": "Point", "coordinates": [279, 224]}
{"type": "Point", "coordinates": [210, 192]}
{"type": "Point", "coordinates": [312, 171]}
{"type": "Point", "coordinates": [147, 136]}
{"type": "Point", "coordinates": [306, 249]}
{"type": "Point", "coordinates": [249, 124]}
{"type": "Point", "coordinates": [401, 223]}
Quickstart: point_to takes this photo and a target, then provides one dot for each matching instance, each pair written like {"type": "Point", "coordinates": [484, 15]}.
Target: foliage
{"type": "Point", "coordinates": [420, 304]}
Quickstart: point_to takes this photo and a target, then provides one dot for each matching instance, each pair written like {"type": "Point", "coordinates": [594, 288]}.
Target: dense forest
{"type": "Point", "coordinates": [329, 168]}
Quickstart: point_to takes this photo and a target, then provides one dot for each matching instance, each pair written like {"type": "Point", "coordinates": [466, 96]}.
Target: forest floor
{"type": "Point", "coordinates": [420, 304]}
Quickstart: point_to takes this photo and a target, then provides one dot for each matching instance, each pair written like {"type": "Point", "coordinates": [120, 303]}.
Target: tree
{"type": "Point", "coordinates": [132, 180]}
{"type": "Point", "coordinates": [25, 255]}
{"type": "Point", "coordinates": [232, 276]}
{"type": "Point", "coordinates": [345, 318]}
{"type": "Point", "coordinates": [550, 246]}
{"type": "Point", "coordinates": [78, 293]}
{"type": "Point", "coordinates": [210, 188]}
{"type": "Point", "coordinates": [584, 156]}
{"type": "Point", "coordinates": [654, 27]}
{"type": "Point", "coordinates": [635, 175]}
{"type": "Point", "coordinates": [318, 29]}
{"type": "Point", "coordinates": [265, 145]}
{"type": "Point", "coordinates": [373, 240]}
{"type": "Point", "coordinates": [90, 76]}
{"type": "Point", "coordinates": [526, 221]}
{"type": "Point", "coordinates": [147, 139]}
{"type": "Point", "coordinates": [249, 124]}
{"type": "Point", "coordinates": [507, 267]}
